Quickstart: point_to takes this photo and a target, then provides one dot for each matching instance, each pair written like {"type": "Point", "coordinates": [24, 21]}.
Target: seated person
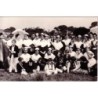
{"type": "Point", "coordinates": [31, 50]}
{"type": "Point", "coordinates": [50, 67]}
{"type": "Point", "coordinates": [92, 64]}
{"type": "Point", "coordinates": [80, 62]}
{"type": "Point", "coordinates": [26, 59]}
{"type": "Point", "coordinates": [35, 60]}
{"type": "Point", "coordinates": [67, 62]}
{"type": "Point", "coordinates": [20, 67]}
{"type": "Point", "coordinates": [59, 63]}
{"type": "Point", "coordinates": [78, 43]}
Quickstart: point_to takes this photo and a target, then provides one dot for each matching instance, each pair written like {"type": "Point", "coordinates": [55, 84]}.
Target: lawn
{"type": "Point", "coordinates": [5, 76]}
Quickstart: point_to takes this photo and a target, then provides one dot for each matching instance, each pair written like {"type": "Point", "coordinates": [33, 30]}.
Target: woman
{"type": "Point", "coordinates": [4, 53]}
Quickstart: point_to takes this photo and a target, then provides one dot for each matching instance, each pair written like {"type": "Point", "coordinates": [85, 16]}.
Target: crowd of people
{"type": "Point", "coordinates": [52, 54]}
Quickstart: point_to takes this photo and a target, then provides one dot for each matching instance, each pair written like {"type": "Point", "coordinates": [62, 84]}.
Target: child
{"type": "Point", "coordinates": [67, 61]}
{"type": "Point", "coordinates": [13, 59]}
{"type": "Point", "coordinates": [50, 68]}
{"type": "Point", "coordinates": [20, 67]}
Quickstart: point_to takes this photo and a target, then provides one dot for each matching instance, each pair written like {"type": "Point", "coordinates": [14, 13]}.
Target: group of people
{"type": "Point", "coordinates": [52, 54]}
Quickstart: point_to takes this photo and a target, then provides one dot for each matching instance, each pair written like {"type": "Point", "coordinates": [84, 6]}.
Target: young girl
{"type": "Point", "coordinates": [50, 67]}
{"type": "Point", "coordinates": [13, 59]}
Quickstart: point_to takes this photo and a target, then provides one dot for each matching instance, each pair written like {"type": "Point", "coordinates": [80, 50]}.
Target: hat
{"type": "Point", "coordinates": [42, 33]}
{"type": "Point", "coordinates": [91, 53]}
{"type": "Point", "coordinates": [70, 46]}
{"type": "Point", "coordinates": [36, 34]}
{"type": "Point", "coordinates": [79, 36]}
{"type": "Point", "coordinates": [49, 48]}
{"type": "Point", "coordinates": [46, 35]}
{"type": "Point", "coordinates": [86, 35]}
{"type": "Point", "coordinates": [36, 48]}
{"type": "Point", "coordinates": [58, 36]}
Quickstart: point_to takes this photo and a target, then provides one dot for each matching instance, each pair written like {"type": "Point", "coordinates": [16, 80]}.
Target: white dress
{"type": "Point", "coordinates": [35, 57]}
{"type": "Point", "coordinates": [26, 57]}
{"type": "Point", "coordinates": [67, 41]}
{"type": "Point", "coordinates": [57, 45]}
{"type": "Point", "coordinates": [51, 56]}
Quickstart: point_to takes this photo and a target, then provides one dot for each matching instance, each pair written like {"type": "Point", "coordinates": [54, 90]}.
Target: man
{"type": "Point", "coordinates": [78, 42]}
{"type": "Point", "coordinates": [58, 45]}
{"type": "Point", "coordinates": [36, 40]}
{"type": "Point", "coordinates": [67, 40]}
{"type": "Point", "coordinates": [43, 45]}
{"type": "Point", "coordinates": [86, 43]}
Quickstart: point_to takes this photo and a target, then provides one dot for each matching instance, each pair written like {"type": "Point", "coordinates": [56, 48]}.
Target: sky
{"type": "Point", "coordinates": [47, 23]}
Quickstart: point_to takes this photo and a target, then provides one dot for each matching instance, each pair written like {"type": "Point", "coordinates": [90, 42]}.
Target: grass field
{"type": "Point", "coordinates": [5, 76]}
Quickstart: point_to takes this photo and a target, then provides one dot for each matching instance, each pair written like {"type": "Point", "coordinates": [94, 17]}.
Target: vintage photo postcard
{"type": "Point", "coordinates": [48, 48]}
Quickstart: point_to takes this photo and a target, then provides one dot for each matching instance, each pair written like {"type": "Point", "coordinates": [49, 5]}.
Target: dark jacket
{"type": "Point", "coordinates": [16, 49]}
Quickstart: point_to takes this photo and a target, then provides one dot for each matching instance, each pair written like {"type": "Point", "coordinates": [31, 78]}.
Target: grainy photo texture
{"type": "Point", "coordinates": [48, 48]}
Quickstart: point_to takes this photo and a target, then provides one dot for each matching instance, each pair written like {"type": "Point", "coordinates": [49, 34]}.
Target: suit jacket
{"type": "Point", "coordinates": [16, 49]}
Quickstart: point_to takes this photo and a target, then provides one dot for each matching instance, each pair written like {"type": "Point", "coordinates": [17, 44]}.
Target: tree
{"type": "Point", "coordinates": [10, 29]}
{"type": "Point", "coordinates": [93, 24]}
{"type": "Point", "coordinates": [81, 31]}
{"type": "Point", "coordinates": [62, 29]}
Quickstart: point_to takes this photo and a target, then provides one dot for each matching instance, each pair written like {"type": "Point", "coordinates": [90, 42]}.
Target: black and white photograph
{"type": "Point", "coordinates": [40, 48]}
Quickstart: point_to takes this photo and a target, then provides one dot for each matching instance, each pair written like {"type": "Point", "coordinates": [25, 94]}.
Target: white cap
{"type": "Point", "coordinates": [49, 48]}
{"type": "Point", "coordinates": [86, 35]}
{"type": "Point", "coordinates": [79, 36]}
{"type": "Point", "coordinates": [37, 48]}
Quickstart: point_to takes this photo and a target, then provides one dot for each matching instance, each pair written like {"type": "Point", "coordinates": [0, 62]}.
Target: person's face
{"type": "Point", "coordinates": [31, 49]}
{"type": "Point", "coordinates": [70, 49]}
{"type": "Point", "coordinates": [25, 37]}
{"type": "Point", "coordinates": [91, 36]}
{"type": "Point", "coordinates": [78, 51]}
{"type": "Point", "coordinates": [13, 43]}
{"type": "Point", "coordinates": [37, 52]}
{"type": "Point", "coordinates": [59, 54]}
{"type": "Point", "coordinates": [33, 36]}
{"type": "Point", "coordinates": [54, 37]}
{"type": "Point", "coordinates": [25, 50]}
{"type": "Point", "coordinates": [79, 38]}
{"type": "Point", "coordinates": [85, 38]}
{"type": "Point", "coordinates": [66, 37]}
{"type": "Point", "coordinates": [49, 52]}
{"type": "Point", "coordinates": [87, 49]}
{"type": "Point", "coordinates": [95, 36]}
{"type": "Point", "coordinates": [46, 37]}
{"type": "Point", "coordinates": [42, 37]}
{"type": "Point", "coordinates": [58, 38]}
